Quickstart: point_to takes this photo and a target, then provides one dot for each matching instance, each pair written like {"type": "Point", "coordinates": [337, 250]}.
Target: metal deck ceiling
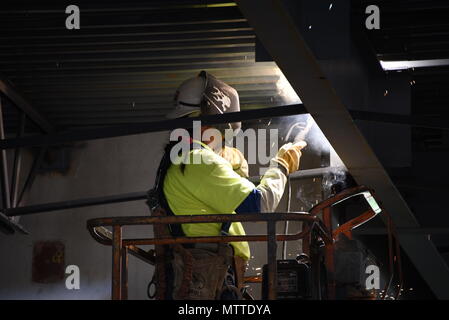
{"type": "Point", "coordinates": [125, 62]}
{"type": "Point", "coordinates": [416, 30]}
{"type": "Point", "coordinates": [411, 29]}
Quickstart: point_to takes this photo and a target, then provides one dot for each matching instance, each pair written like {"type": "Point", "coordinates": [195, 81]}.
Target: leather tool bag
{"type": "Point", "coordinates": [199, 274]}
{"type": "Point", "coordinates": [189, 273]}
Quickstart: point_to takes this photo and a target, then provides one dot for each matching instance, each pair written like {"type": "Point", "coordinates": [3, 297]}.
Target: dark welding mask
{"type": "Point", "coordinates": [206, 95]}
{"type": "Point", "coordinates": [219, 98]}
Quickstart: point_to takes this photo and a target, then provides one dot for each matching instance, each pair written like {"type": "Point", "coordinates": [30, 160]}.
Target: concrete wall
{"type": "Point", "coordinates": [102, 167]}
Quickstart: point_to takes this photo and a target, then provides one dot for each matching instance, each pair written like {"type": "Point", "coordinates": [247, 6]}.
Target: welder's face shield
{"type": "Point", "coordinates": [219, 98]}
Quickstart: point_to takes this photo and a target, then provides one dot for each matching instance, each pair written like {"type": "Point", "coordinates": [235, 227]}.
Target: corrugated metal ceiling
{"type": "Point", "coordinates": [417, 30]}
{"type": "Point", "coordinates": [411, 29]}
{"type": "Point", "coordinates": [125, 62]}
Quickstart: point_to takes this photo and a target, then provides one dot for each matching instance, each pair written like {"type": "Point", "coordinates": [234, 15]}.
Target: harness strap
{"type": "Point", "coordinates": [175, 229]}
{"type": "Point", "coordinates": [159, 207]}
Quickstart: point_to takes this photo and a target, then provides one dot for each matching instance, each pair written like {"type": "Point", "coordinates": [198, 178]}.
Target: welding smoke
{"type": "Point", "coordinates": [335, 180]}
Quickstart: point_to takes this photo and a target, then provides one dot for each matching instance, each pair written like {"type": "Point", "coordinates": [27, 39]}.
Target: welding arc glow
{"type": "Point", "coordinates": [287, 136]}
{"type": "Point", "coordinates": [304, 129]}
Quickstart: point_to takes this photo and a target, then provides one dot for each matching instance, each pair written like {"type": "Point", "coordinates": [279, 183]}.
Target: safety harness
{"type": "Point", "coordinates": [156, 196]}
{"type": "Point", "coordinates": [173, 260]}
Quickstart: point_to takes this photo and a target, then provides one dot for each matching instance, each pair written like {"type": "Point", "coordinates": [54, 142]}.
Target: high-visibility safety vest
{"type": "Point", "coordinates": [208, 185]}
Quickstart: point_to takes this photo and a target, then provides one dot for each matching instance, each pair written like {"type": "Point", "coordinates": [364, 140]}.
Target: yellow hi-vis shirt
{"type": "Point", "coordinates": [208, 187]}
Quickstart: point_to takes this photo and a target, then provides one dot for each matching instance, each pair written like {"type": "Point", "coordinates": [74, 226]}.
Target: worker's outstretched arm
{"type": "Point", "coordinates": [267, 195]}
{"type": "Point", "coordinates": [221, 188]}
{"type": "Point", "coordinates": [271, 189]}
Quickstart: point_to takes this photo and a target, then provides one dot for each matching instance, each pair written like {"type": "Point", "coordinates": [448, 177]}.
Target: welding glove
{"type": "Point", "coordinates": [236, 159]}
{"type": "Point", "coordinates": [289, 156]}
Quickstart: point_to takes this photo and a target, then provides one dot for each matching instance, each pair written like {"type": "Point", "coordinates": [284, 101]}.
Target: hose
{"type": "Point", "coordinates": [303, 131]}
{"type": "Point", "coordinates": [289, 197]}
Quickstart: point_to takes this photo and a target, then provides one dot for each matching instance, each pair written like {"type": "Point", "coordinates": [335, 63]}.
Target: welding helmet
{"type": "Point", "coordinates": [206, 95]}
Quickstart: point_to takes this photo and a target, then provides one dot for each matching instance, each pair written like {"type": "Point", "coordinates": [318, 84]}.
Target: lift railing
{"type": "Point", "coordinates": [121, 247]}
{"type": "Point", "coordinates": [316, 232]}
{"type": "Point", "coordinates": [324, 209]}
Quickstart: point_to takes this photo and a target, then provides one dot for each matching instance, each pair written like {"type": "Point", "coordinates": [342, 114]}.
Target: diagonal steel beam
{"type": "Point", "coordinates": [286, 45]}
{"type": "Point", "coordinates": [21, 103]}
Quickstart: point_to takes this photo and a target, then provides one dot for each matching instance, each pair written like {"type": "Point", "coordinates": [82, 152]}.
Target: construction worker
{"type": "Point", "coordinates": [218, 184]}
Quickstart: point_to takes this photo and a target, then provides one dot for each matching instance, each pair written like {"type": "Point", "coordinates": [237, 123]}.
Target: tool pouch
{"type": "Point", "coordinates": [198, 273]}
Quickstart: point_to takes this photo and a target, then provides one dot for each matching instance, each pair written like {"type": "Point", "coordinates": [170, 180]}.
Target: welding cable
{"type": "Point", "coordinates": [289, 132]}
{"type": "Point", "coordinates": [289, 197]}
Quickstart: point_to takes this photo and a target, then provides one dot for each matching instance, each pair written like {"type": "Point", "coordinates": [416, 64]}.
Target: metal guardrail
{"type": "Point", "coordinates": [313, 228]}
{"type": "Point", "coordinates": [120, 246]}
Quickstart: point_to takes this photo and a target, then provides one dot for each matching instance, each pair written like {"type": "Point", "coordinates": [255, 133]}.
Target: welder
{"type": "Point", "coordinates": [216, 185]}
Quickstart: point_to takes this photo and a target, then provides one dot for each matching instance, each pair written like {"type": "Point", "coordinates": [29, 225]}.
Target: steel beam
{"type": "Point", "coordinates": [21, 103]}
{"type": "Point", "coordinates": [17, 163]}
{"type": "Point", "coordinates": [133, 196]}
{"type": "Point", "coordinates": [72, 204]}
{"type": "Point", "coordinates": [414, 121]}
{"type": "Point", "coordinates": [9, 226]}
{"type": "Point", "coordinates": [409, 231]}
{"type": "Point", "coordinates": [131, 129]}
{"type": "Point", "coordinates": [32, 173]}
{"type": "Point", "coordinates": [286, 45]}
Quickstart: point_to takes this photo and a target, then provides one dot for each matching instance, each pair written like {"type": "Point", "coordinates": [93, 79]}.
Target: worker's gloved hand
{"type": "Point", "coordinates": [236, 159]}
{"type": "Point", "coordinates": [289, 156]}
